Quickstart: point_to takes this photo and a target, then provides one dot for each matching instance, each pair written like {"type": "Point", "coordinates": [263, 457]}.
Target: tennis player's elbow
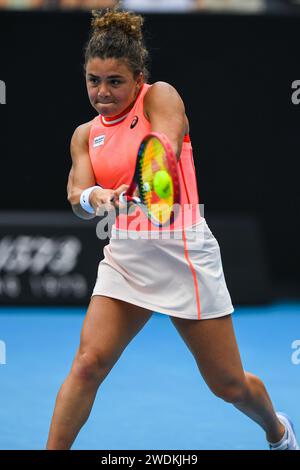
{"type": "Point", "coordinates": [177, 150]}
{"type": "Point", "coordinates": [177, 146]}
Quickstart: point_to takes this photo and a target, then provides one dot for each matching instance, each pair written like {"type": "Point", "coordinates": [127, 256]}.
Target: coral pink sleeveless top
{"type": "Point", "coordinates": [113, 147]}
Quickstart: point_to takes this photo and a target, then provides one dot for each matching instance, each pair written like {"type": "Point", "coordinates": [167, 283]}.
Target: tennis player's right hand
{"type": "Point", "coordinates": [106, 199]}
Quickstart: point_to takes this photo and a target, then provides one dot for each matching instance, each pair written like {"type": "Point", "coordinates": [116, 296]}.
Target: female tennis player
{"type": "Point", "coordinates": [180, 276]}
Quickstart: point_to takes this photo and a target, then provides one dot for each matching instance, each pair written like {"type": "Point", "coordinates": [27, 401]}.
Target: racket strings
{"type": "Point", "coordinates": [153, 160]}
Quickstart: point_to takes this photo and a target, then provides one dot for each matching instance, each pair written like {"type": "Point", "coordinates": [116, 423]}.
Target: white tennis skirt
{"type": "Point", "coordinates": [181, 276]}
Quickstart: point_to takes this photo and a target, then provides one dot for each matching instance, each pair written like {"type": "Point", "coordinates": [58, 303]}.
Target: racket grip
{"type": "Point", "coordinates": [122, 198]}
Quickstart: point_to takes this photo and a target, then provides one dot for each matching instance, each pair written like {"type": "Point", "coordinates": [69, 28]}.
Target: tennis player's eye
{"type": "Point", "coordinates": [115, 82]}
{"type": "Point", "coordinates": [93, 80]}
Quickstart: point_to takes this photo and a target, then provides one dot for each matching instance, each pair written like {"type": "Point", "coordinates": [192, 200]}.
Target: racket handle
{"type": "Point", "coordinates": [124, 199]}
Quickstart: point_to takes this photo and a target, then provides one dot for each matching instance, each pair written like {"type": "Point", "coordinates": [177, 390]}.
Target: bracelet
{"type": "Point", "coordinates": [85, 199]}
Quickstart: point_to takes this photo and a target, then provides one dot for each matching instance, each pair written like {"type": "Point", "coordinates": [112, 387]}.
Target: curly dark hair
{"type": "Point", "coordinates": [118, 34]}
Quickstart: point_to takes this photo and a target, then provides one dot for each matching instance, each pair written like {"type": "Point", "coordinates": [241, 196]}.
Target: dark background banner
{"type": "Point", "coordinates": [235, 74]}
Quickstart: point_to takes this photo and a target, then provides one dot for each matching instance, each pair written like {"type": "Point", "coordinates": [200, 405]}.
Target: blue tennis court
{"type": "Point", "coordinates": [154, 398]}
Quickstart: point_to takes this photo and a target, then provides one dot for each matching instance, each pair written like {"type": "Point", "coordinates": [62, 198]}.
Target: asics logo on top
{"type": "Point", "coordinates": [134, 122]}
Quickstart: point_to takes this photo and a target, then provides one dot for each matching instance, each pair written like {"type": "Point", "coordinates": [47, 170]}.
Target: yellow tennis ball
{"type": "Point", "coordinates": [162, 184]}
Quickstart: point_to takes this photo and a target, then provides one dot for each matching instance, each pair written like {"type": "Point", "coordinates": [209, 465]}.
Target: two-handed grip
{"type": "Point", "coordinates": [125, 199]}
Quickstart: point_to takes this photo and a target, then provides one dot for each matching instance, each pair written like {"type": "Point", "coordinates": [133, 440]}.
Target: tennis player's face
{"type": "Point", "coordinates": [111, 85]}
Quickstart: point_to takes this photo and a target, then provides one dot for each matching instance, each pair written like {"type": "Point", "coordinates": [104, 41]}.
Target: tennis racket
{"type": "Point", "coordinates": [155, 185]}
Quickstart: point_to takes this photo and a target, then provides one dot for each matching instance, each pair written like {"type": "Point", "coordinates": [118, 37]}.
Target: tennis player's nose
{"type": "Point", "coordinates": [103, 90]}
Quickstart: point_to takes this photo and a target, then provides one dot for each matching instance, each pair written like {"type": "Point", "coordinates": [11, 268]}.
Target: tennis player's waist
{"type": "Point", "coordinates": [187, 216]}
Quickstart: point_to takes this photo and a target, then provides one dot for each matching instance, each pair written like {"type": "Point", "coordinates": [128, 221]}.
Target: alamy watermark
{"type": "Point", "coordinates": [2, 92]}
{"type": "Point", "coordinates": [2, 353]}
{"type": "Point", "coordinates": [295, 358]}
{"type": "Point", "coordinates": [296, 94]}
{"type": "Point", "coordinates": [133, 222]}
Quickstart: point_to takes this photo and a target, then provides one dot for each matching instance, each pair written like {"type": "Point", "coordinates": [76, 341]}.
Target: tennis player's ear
{"type": "Point", "coordinates": [140, 79]}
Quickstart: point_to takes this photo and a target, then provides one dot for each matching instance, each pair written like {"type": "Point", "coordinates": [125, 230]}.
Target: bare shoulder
{"type": "Point", "coordinates": [161, 90]}
{"type": "Point", "coordinates": [79, 145]}
{"type": "Point", "coordinates": [82, 132]}
{"type": "Point", "coordinates": [163, 94]}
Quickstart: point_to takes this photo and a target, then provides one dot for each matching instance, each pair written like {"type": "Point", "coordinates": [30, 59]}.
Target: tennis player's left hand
{"type": "Point", "coordinates": [117, 193]}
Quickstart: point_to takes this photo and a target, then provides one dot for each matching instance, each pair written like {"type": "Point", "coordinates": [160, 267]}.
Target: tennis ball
{"type": "Point", "coordinates": [162, 184]}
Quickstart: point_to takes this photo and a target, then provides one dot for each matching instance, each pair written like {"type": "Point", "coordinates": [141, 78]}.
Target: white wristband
{"type": "Point", "coordinates": [85, 199]}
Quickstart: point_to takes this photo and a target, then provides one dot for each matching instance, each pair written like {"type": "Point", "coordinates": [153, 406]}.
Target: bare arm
{"type": "Point", "coordinates": [165, 110]}
{"type": "Point", "coordinates": [81, 177]}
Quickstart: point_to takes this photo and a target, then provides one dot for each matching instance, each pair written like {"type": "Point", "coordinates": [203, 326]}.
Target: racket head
{"type": "Point", "coordinates": [157, 179]}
